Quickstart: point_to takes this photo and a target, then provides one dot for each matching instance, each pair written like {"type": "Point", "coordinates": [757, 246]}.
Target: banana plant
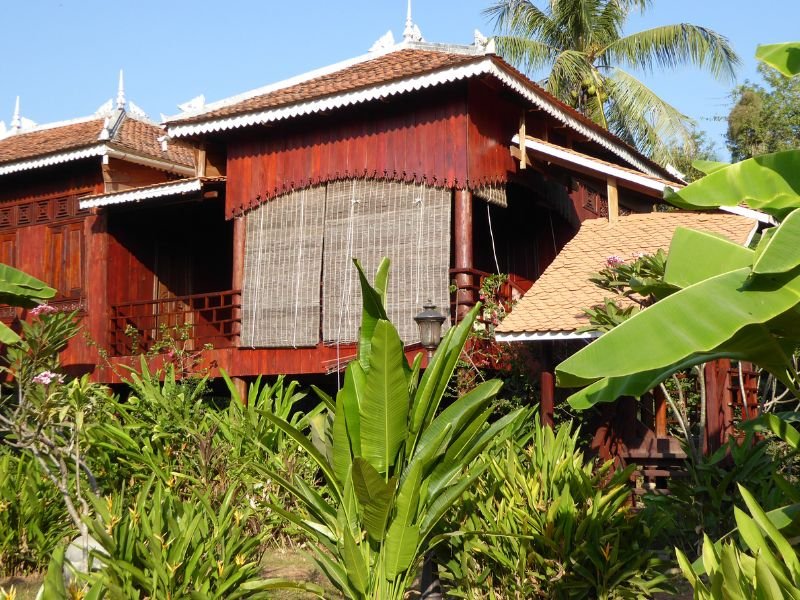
{"type": "Point", "coordinates": [20, 289]}
{"type": "Point", "coordinates": [392, 463]}
{"type": "Point", "coordinates": [735, 303]}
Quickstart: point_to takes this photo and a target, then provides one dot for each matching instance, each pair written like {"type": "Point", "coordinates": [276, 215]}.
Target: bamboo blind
{"type": "Point", "coordinates": [283, 260]}
{"type": "Point", "coordinates": [370, 219]}
{"type": "Point", "coordinates": [493, 194]}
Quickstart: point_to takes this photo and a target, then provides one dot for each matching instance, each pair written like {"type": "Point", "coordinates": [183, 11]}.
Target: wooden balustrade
{"type": "Point", "coordinates": [201, 319]}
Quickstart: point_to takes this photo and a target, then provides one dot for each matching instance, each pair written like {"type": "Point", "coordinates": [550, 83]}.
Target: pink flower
{"type": "Point", "coordinates": [44, 309]}
{"type": "Point", "coordinates": [638, 255]}
{"type": "Point", "coordinates": [48, 377]}
{"type": "Point", "coordinates": [614, 260]}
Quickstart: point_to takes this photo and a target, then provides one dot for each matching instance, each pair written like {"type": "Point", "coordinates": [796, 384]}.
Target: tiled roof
{"type": "Point", "coordinates": [143, 137]}
{"type": "Point", "coordinates": [556, 301]}
{"type": "Point", "coordinates": [386, 67]}
{"type": "Point", "coordinates": [49, 140]}
{"type": "Point", "coordinates": [132, 135]}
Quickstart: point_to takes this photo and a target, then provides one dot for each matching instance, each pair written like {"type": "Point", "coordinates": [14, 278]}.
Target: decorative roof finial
{"type": "Point", "coordinates": [411, 33]}
{"type": "Point", "coordinates": [121, 92]}
{"type": "Point", "coordinates": [16, 120]}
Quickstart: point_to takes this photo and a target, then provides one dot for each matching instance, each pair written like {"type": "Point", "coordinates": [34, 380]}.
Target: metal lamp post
{"type": "Point", "coordinates": [430, 323]}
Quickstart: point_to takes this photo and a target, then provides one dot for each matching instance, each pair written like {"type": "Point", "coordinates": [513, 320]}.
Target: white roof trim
{"type": "Point", "coordinates": [53, 159]}
{"type": "Point", "coordinates": [169, 189]}
{"type": "Point", "coordinates": [595, 165]}
{"type": "Point", "coordinates": [749, 213]}
{"type": "Point", "coordinates": [483, 67]}
{"type": "Point", "coordinates": [545, 335]}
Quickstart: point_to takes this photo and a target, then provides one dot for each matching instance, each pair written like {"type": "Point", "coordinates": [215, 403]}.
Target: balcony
{"type": "Point", "coordinates": [199, 319]}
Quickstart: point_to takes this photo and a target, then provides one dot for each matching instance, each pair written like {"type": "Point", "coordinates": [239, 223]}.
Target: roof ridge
{"type": "Point", "coordinates": [327, 70]}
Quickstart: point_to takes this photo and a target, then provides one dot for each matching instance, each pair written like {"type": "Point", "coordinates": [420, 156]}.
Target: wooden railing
{"type": "Point", "coordinates": [468, 284]}
{"type": "Point", "coordinates": [199, 319]}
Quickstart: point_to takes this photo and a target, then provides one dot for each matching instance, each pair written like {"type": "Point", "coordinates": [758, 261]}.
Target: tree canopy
{"type": "Point", "coordinates": [765, 118]}
{"type": "Point", "coordinates": [590, 63]}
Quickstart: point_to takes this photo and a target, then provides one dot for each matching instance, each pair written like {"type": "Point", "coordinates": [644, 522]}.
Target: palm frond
{"type": "Point", "coordinates": [639, 115]}
{"type": "Point", "coordinates": [671, 46]}
{"type": "Point", "coordinates": [518, 17]}
{"type": "Point", "coordinates": [528, 55]}
{"type": "Point", "coordinates": [570, 68]}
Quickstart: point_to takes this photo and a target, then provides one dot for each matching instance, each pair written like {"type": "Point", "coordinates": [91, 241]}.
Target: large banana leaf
{"type": "Point", "coordinates": [384, 408]}
{"type": "Point", "coordinates": [698, 320]}
{"type": "Point", "coordinates": [373, 300]}
{"type": "Point", "coordinates": [770, 183]}
{"type": "Point", "coordinates": [783, 57]}
{"type": "Point", "coordinates": [719, 256]}
{"type": "Point", "coordinates": [20, 289]}
{"type": "Point", "coordinates": [779, 252]}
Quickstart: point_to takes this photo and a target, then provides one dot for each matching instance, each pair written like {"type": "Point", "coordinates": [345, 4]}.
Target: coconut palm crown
{"type": "Point", "coordinates": [580, 43]}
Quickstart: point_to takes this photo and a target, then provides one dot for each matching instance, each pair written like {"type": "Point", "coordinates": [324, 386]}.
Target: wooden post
{"type": "Point", "coordinates": [660, 413]}
{"type": "Point", "coordinates": [237, 275]}
{"type": "Point", "coordinates": [719, 414]}
{"type": "Point", "coordinates": [240, 385]}
{"type": "Point", "coordinates": [523, 151]}
{"type": "Point", "coordinates": [463, 251]}
{"type": "Point", "coordinates": [547, 386]}
{"type": "Point", "coordinates": [612, 195]}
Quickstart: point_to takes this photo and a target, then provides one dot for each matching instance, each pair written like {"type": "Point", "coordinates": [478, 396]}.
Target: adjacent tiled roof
{"type": "Point", "coordinates": [132, 135]}
{"type": "Point", "coordinates": [142, 137]}
{"type": "Point", "coordinates": [556, 301]}
{"type": "Point", "coordinates": [49, 140]}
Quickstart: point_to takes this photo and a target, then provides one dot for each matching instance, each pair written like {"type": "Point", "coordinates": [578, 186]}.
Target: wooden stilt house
{"type": "Point", "coordinates": [410, 151]}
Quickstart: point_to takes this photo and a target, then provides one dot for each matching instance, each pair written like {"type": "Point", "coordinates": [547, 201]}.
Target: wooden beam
{"type": "Point", "coordinates": [613, 199]}
{"type": "Point", "coordinates": [200, 159]}
{"type": "Point", "coordinates": [523, 156]}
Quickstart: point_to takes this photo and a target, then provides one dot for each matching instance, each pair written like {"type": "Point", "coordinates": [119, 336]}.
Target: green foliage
{"type": "Point", "coordinates": [635, 285]}
{"type": "Point", "coordinates": [587, 62]}
{"type": "Point", "coordinates": [20, 289]}
{"type": "Point", "coordinates": [391, 463]}
{"type": "Point", "coordinates": [32, 521]}
{"type": "Point", "coordinates": [768, 567]}
{"type": "Point", "coordinates": [701, 502]}
{"type": "Point", "coordinates": [163, 546]}
{"type": "Point", "coordinates": [764, 118]}
{"type": "Point", "coordinates": [542, 522]}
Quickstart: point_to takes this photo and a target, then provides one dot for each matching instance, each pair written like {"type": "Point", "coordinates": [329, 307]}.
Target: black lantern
{"type": "Point", "coordinates": [430, 322]}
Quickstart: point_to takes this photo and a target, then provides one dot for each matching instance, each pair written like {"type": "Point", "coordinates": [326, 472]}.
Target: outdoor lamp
{"type": "Point", "coordinates": [430, 322]}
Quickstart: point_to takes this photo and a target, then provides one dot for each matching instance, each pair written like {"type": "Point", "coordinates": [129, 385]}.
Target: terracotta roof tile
{"type": "Point", "coordinates": [50, 140]}
{"type": "Point", "coordinates": [134, 135]}
{"type": "Point", "coordinates": [384, 68]}
{"type": "Point", "coordinates": [143, 137]}
{"type": "Point", "coordinates": [556, 301]}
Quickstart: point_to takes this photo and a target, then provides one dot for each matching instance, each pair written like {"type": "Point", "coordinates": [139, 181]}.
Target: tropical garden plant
{"type": "Point", "coordinates": [588, 62]}
{"type": "Point", "coordinates": [549, 523]}
{"type": "Point", "coordinates": [391, 462]}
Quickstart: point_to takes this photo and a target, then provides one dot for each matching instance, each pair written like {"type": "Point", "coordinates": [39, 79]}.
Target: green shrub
{"type": "Point", "coordinates": [32, 517]}
{"type": "Point", "coordinates": [548, 525]}
{"type": "Point", "coordinates": [702, 502]}
{"type": "Point", "coordinates": [163, 546]}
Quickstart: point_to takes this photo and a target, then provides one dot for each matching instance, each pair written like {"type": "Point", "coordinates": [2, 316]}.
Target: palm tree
{"type": "Point", "coordinates": [580, 43]}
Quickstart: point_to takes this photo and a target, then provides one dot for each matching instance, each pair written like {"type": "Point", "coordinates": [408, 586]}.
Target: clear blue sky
{"type": "Point", "coordinates": [63, 56]}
